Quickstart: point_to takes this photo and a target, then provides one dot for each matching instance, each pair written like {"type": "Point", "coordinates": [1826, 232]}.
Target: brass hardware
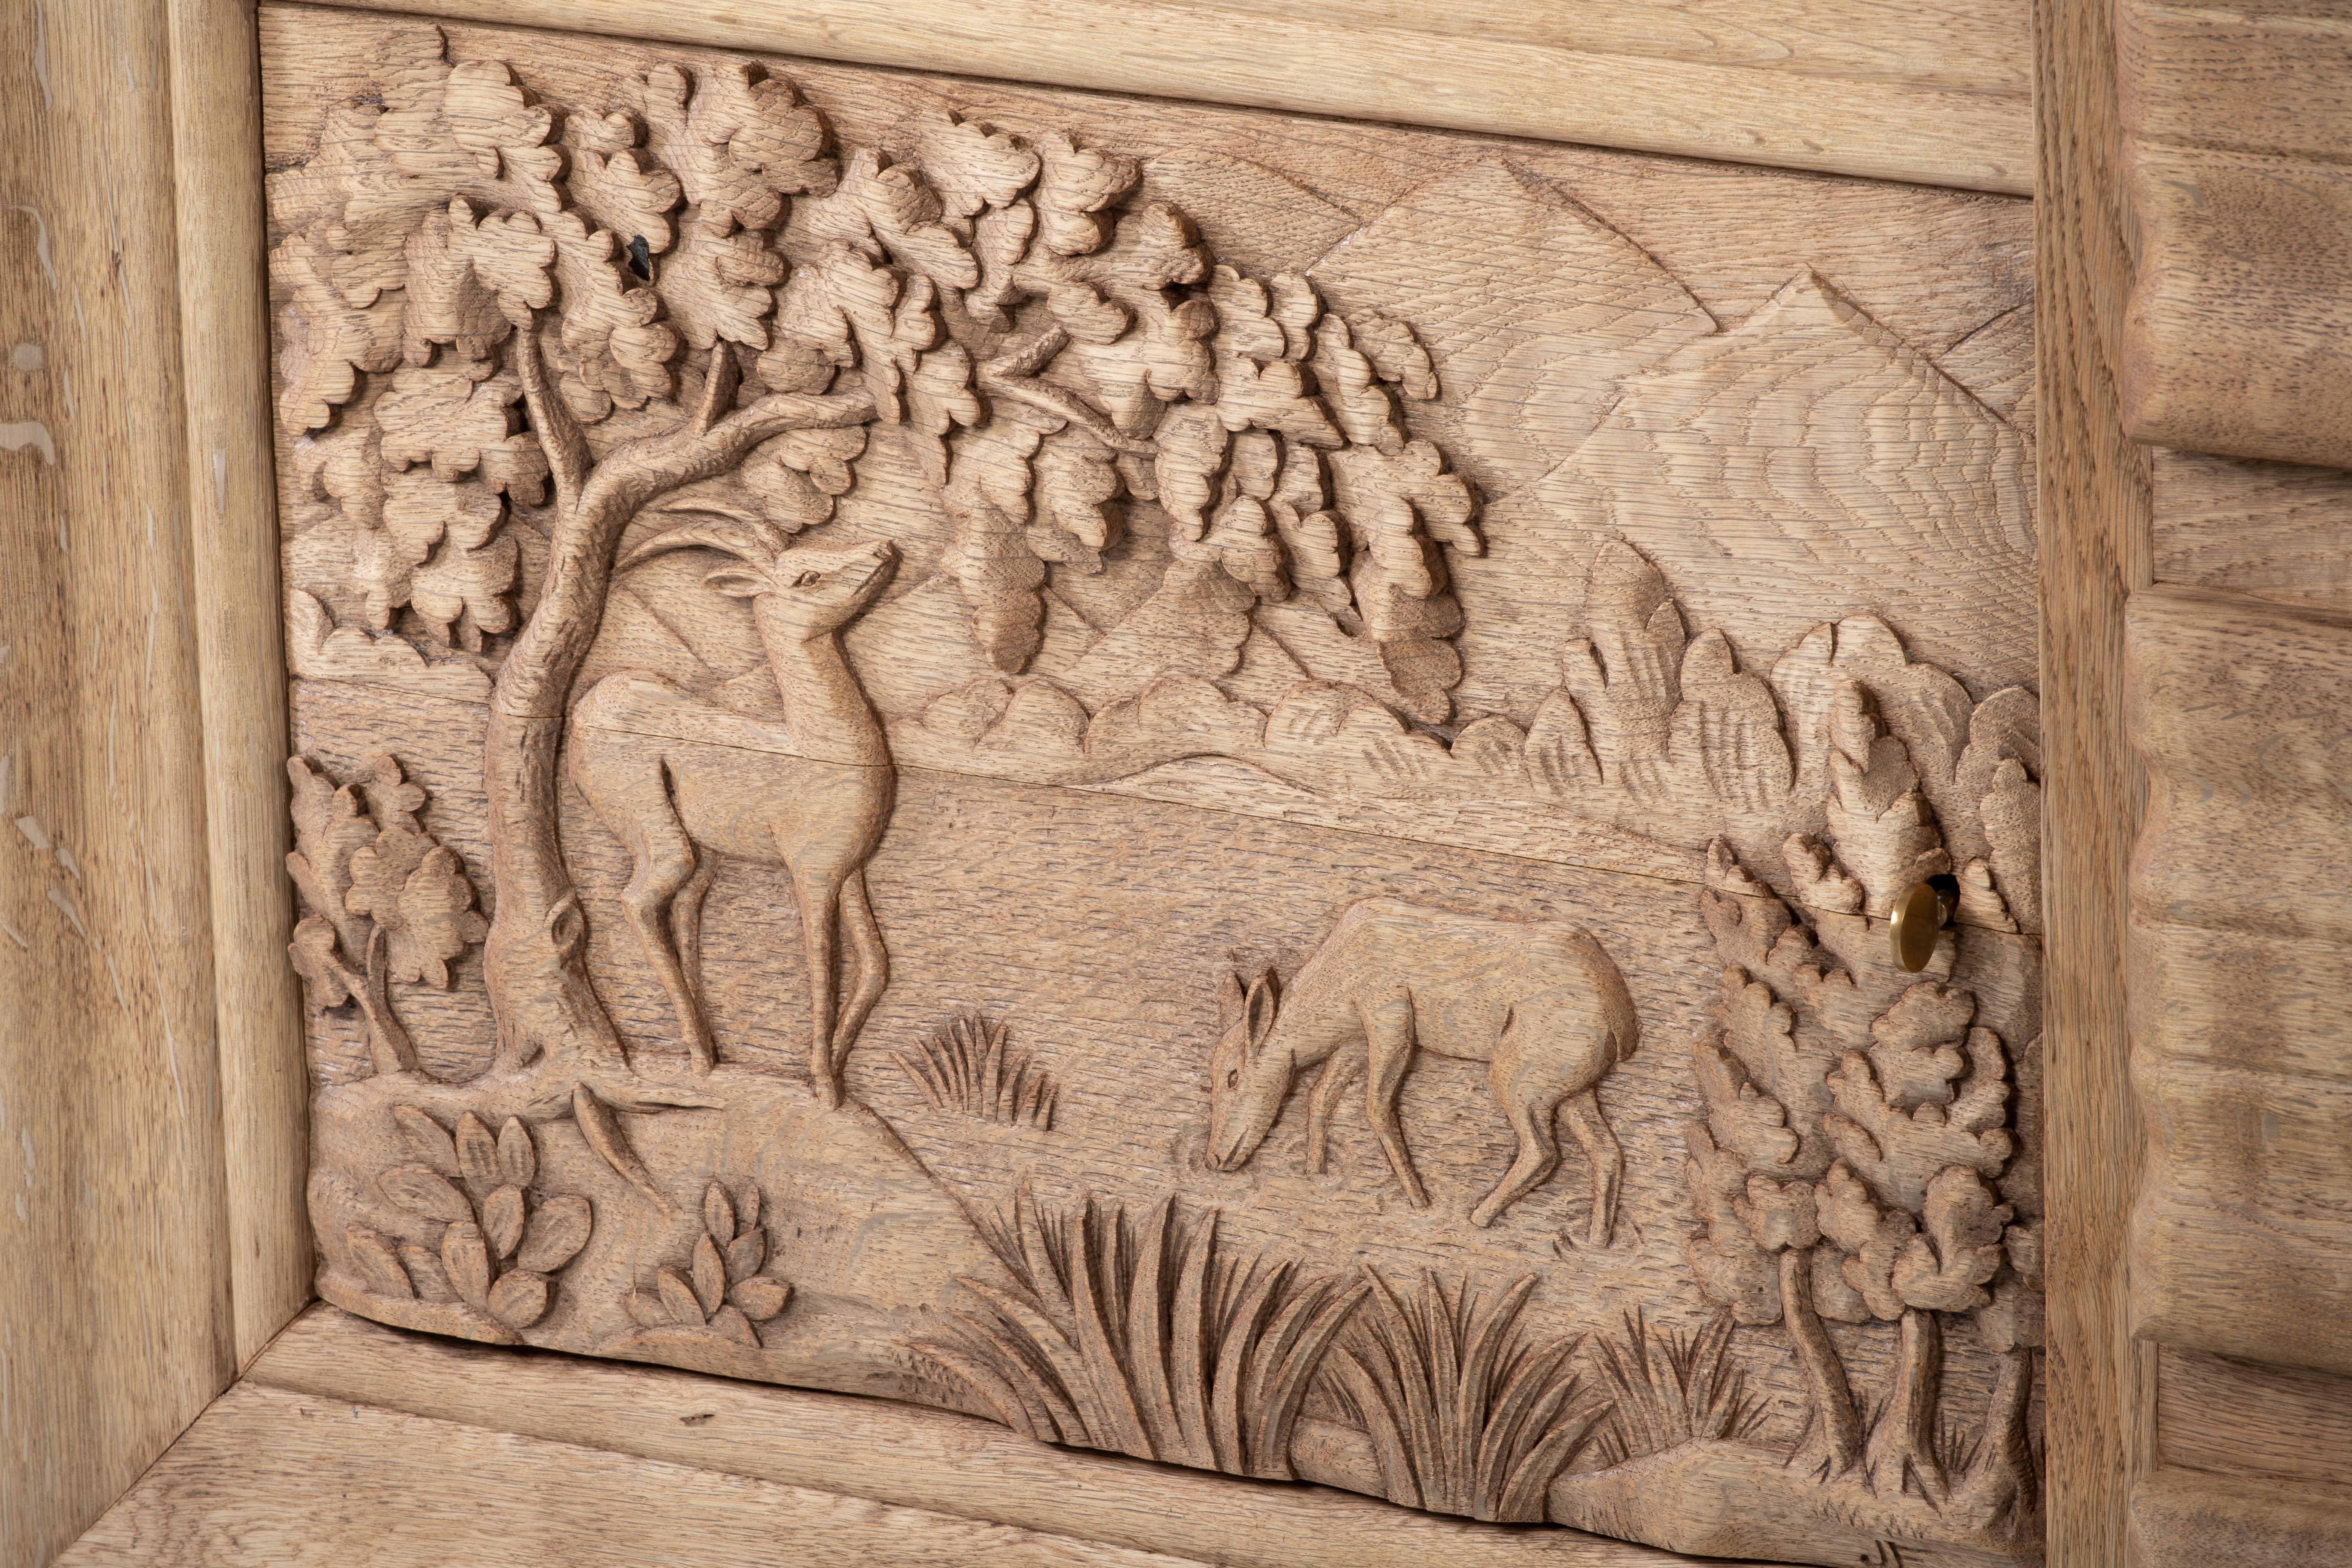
{"type": "Point", "coordinates": [1921, 911]}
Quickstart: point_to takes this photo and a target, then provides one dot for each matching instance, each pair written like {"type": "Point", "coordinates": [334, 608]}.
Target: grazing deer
{"type": "Point", "coordinates": [682, 781]}
{"type": "Point", "coordinates": [1538, 1001]}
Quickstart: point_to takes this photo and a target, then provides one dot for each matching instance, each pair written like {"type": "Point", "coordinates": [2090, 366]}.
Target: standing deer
{"type": "Point", "coordinates": [1538, 1001]}
{"type": "Point", "coordinates": [682, 781]}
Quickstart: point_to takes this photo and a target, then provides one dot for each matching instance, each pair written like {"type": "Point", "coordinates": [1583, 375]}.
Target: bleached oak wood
{"type": "Point", "coordinates": [2276, 531]}
{"type": "Point", "coordinates": [268, 1476]}
{"type": "Point", "coordinates": [2280, 1425]}
{"type": "Point", "coordinates": [892, 1453]}
{"type": "Point", "coordinates": [220, 231]}
{"type": "Point", "coordinates": [2094, 524]}
{"type": "Point", "coordinates": [2236, 151]}
{"type": "Point", "coordinates": [2181, 1518]}
{"type": "Point", "coordinates": [871, 572]}
{"type": "Point", "coordinates": [2240, 922]}
{"type": "Point", "coordinates": [115, 1274]}
{"type": "Point", "coordinates": [1871, 95]}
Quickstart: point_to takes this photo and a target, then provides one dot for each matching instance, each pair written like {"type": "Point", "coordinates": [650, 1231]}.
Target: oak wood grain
{"type": "Point", "coordinates": [760, 746]}
{"type": "Point", "coordinates": [2094, 521]}
{"type": "Point", "coordinates": [2181, 1518]}
{"type": "Point", "coordinates": [270, 1476]}
{"type": "Point", "coordinates": [2240, 927]}
{"type": "Point", "coordinates": [892, 1453]}
{"type": "Point", "coordinates": [2283, 1425]}
{"type": "Point", "coordinates": [241, 666]}
{"type": "Point", "coordinates": [2276, 531]}
{"type": "Point", "coordinates": [2235, 121]}
{"type": "Point", "coordinates": [1633, 78]}
{"type": "Point", "coordinates": [115, 1316]}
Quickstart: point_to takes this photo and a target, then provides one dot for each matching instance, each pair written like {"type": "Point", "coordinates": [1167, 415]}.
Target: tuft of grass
{"type": "Point", "coordinates": [1668, 1389]}
{"type": "Point", "coordinates": [1465, 1413]}
{"type": "Point", "coordinates": [1144, 1338]}
{"type": "Point", "coordinates": [969, 1065]}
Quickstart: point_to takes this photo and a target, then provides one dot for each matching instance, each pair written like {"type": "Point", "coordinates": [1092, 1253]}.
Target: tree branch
{"type": "Point", "coordinates": [560, 436]}
{"type": "Point", "coordinates": [718, 386]}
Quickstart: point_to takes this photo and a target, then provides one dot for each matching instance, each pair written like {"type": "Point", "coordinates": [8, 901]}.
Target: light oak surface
{"type": "Point", "coordinates": [2276, 531]}
{"type": "Point", "coordinates": [802, 609]}
{"type": "Point", "coordinates": [2181, 1518]}
{"type": "Point", "coordinates": [215, 93]}
{"type": "Point", "coordinates": [948, 1465]}
{"type": "Point", "coordinates": [270, 1477]}
{"type": "Point", "coordinates": [2235, 121]}
{"type": "Point", "coordinates": [1893, 91]}
{"type": "Point", "coordinates": [2239, 927]}
{"type": "Point", "coordinates": [2094, 519]}
{"type": "Point", "coordinates": [116, 1323]}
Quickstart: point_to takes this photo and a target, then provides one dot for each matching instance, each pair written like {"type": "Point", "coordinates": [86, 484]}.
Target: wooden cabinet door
{"type": "Point", "coordinates": [1219, 785]}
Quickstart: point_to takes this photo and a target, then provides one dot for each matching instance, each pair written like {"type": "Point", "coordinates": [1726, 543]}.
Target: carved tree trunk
{"type": "Point", "coordinates": [1834, 1444]}
{"type": "Point", "coordinates": [1903, 1444]}
{"type": "Point", "coordinates": [2001, 1479]}
{"type": "Point", "coordinates": [534, 959]}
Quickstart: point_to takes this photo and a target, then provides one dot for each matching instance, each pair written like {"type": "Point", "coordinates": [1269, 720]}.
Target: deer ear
{"type": "Point", "coordinates": [738, 582]}
{"type": "Point", "coordinates": [1264, 997]}
{"type": "Point", "coordinates": [1229, 996]}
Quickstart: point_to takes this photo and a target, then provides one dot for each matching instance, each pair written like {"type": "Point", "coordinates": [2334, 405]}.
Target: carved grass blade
{"type": "Point", "coordinates": [1188, 1352]}
{"type": "Point", "coordinates": [1031, 1375]}
{"type": "Point", "coordinates": [1401, 1337]}
{"type": "Point", "coordinates": [1042, 1338]}
{"type": "Point", "coordinates": [1368, 1396]}
{"type": "Point", "coordinates": [1523, 1499]}
{"type": "Point", "coordinates": [602, 1130]}
{"type": "Point", "coordinates": [1088, 1280]}
{"type": "Point", "coordinates": [1241, 1331]}
{"type": "Point", "coordinates": [1490, 1332]}
{"type": "Point", "coordinates": [998, 1392]}
{"type": "Point", "coordinates": [1516, 1410]}
{"type": "Point", "coordinates": [1441, 1322]}
{"type": "Point", "coordinates": [1284, 1369]}
{"type": "Point", "coordinates": [1147, 1342]}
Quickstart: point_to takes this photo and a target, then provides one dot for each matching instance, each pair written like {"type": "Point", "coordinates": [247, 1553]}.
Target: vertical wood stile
{"type": "Point", "coordinates": [114, 1280]}
{"type": "Point", "coordinates": [2094, 510]}
{"type": "Point", "coordinates": [240, 660]}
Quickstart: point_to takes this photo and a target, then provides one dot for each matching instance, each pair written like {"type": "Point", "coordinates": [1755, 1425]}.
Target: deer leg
{"type": "Point", "coordinates": [1388, 1031]}
{"type": "Point", "coordinates": [686, 916]}
{"type": "Point", "coordinates": [1582, 1112]}
{"type": "Point", "coordinates": [869, 965]}
{"type": "Point", "coordinates": [1339, 1070]}
{"type": "Point", "coordinates": [820, 903]}
{"type": "Point", "coordinates": [663, 859]}
{"type": "Point", "coordinates": [1530, 1111]}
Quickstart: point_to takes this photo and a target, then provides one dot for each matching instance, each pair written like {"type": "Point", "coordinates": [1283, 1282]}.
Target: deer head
{"type": "Point", "coordinates": [1248, 1077]}
{"type": "Point", "coordinates": [797, 590]}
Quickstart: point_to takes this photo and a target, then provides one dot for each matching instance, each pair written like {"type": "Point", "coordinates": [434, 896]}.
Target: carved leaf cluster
{"type": "Point", "coordinates": [386, 900]}
{"type": "Point", "coordinates": [501, 1245]}
{"type": "Point", "coordinates": [722, 1289]}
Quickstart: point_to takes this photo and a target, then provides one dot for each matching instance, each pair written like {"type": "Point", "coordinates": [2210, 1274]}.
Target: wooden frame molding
{"type": "Point", "coordinates": [2236, 137]}
{"type": "Point", "coordinates": [241, 666]}
{"type": "Point", "coordinates": [2094, 529]}
{"type": "Point", "coordinates": [1829, 91]}
{"type": "Point", "coordinates": [675, 1466]}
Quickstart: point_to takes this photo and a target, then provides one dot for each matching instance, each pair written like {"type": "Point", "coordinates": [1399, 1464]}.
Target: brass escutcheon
{"type": "Point", "coordinates": [1921, 910]}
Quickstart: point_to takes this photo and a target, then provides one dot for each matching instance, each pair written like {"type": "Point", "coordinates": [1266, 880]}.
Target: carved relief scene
{"type": "Point", "coordinates": [1219, 785]}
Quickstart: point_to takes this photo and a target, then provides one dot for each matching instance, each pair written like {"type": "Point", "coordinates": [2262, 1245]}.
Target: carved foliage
{"type": "Point", "coordinates": [969, 1066]}
{"type": "Point", "coordinates": [1147, 1338]}
{"type": "Point", "coordinates": [387, 901]}
{"type": "Point", "coordinates": [1848, 1170]}
{"type": "Point", "coordinates": [501, 1244]}
{"type": "Point", "coordinates": [721, 1289]}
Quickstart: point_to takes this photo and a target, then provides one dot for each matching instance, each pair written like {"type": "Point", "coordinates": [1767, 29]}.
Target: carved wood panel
{"type": "Point", "coordinates": [1221, 787]}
